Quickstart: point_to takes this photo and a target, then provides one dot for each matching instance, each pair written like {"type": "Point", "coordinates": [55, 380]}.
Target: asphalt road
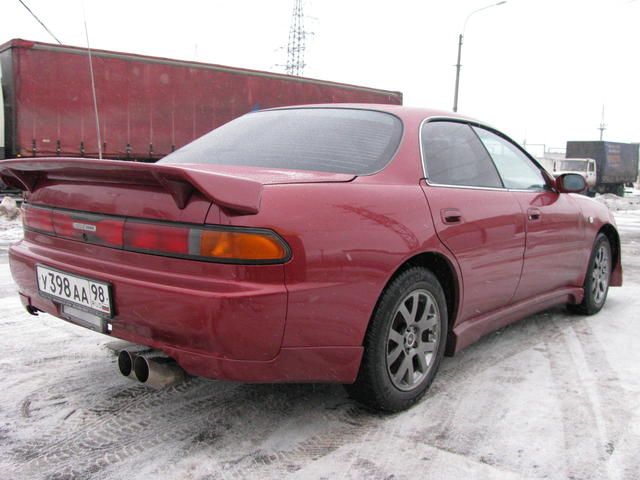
{"type": "Point", "coordinates": [553, 396]}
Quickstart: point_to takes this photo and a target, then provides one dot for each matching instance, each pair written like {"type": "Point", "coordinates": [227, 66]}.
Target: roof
{"type": "Point", "coordinates": [402, 111]}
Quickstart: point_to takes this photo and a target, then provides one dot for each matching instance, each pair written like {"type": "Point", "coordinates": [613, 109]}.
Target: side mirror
{"type": "Point", "coordinates": [571, 183]}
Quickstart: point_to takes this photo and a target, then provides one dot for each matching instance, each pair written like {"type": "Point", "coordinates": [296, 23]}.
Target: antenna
{"type": "Point", "coordinates": [93, 83]}
{"type": "Point", "coordinates": [603, 126]}
{"type": "Point", "coordinates": [297, 39]}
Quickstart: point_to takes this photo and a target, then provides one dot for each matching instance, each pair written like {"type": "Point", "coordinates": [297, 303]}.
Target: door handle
{"type": "Point", "coordinates": [451, 215]}
{"type": "Point", "coordinates": [533, 214]}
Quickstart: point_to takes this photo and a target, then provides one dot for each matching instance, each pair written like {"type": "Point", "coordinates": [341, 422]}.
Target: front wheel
{"type": "Point", "coordinates": [404, 344]}
{"type": "Point", "coordinates": [596, 283]}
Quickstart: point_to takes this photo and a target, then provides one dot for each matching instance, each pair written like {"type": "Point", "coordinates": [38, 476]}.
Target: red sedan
{"type": "Point", "coordinates": [353, 244]}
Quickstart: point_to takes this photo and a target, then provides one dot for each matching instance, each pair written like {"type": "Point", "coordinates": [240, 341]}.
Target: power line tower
{"type": "Point", "coordinates": [297, 41]}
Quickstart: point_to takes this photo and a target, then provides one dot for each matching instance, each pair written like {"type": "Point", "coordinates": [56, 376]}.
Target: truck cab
{"type": "Point", "coordinates": [582, 166]}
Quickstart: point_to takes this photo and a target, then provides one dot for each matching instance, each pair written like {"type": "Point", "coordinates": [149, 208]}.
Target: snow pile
{"type": "Point", "coordinates": [616, 203]}
{"type": "Point", "coordinates": [10, 233]}
{"type": "Point", "coordinates": [9, 208]}
{"type": "Point", "coordinates": [10, 224]}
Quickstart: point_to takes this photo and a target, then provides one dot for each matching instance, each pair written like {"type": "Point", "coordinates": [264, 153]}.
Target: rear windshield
{"type": "Point", "coordinates": [352, 141]}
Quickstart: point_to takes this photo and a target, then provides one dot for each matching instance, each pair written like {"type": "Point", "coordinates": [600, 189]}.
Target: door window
{"type": "Point", "coordinates": [453, 155]}
{"type": "Point", "coordinates": [516, 169]}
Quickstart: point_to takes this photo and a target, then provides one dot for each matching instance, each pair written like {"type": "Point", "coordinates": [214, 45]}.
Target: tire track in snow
{"type": "Point", "coordinates": [167, 417]}
{"type": "Point", "coordinates": [610, 400]}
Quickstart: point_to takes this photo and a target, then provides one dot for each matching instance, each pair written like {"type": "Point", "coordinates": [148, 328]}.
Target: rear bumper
{"type": "Point", "coordinates": [301, 364]}
{"type": "Point", "coordinates": [217, 321]}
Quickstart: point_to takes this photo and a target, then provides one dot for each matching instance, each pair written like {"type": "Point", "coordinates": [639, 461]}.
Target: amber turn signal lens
{"type": "Point", "coordinates": [241, 246]}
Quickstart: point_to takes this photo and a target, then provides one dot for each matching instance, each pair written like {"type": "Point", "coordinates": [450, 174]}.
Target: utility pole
{"type": "Point", "coordinates": [603, 126]}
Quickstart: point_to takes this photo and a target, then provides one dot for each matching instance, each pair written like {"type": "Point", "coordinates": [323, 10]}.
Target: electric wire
{"type": "Point", "coordinates": [39, 21]}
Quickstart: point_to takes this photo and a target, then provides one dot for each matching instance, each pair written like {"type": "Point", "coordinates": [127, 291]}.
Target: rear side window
{"type": "Point", "coordinates": [358, 142]}
{"type": "Point", "coordinates": [453, 155]}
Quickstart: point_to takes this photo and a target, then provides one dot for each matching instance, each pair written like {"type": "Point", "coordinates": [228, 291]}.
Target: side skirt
{"type": "Point", "coordinates": [475, 328]}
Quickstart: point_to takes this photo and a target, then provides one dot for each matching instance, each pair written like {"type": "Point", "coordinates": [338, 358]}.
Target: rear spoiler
{"type": "Point", "coordinates": [239, 194]}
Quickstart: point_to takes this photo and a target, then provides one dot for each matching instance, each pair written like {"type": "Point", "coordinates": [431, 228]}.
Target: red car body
{"type": "Point", "coordinates": [506, 255]}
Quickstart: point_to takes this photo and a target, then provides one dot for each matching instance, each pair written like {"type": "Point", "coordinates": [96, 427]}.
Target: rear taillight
{"type": "Point", "coordinates": [156, 238]}
{"type": "Point", "coordinates": [221, 244]}
{"type": "Point", "coordinates": [213, 243]}
{"type": "Point", "coordinates": [38, 219]}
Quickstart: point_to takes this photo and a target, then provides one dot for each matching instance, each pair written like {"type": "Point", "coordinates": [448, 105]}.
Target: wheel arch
{"type": "Point", "coordinates": [447, 276]}
{"type": "Point", "coordinates": [614, 241]}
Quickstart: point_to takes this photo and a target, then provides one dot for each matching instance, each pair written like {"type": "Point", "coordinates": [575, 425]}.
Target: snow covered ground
{"type": "Point", "coordinates": [10, 232]}
{"type": "Point", "coordinates": [554, 396]}
{"type": "Point", "coordinates": [616, 203]}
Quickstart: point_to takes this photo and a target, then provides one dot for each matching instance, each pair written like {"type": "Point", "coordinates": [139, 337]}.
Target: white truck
{"type": "Point", "coordinates": [582, 166]}
{"type": "Point", "coordinates": [557, 165]}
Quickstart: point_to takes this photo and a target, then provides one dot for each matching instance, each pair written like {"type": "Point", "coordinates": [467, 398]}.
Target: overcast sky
{"type": "Point", "coordinates": [540, 70]}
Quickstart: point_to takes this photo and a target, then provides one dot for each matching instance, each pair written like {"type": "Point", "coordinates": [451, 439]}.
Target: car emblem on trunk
{"type": "Point", "coordinates": [84, 226]}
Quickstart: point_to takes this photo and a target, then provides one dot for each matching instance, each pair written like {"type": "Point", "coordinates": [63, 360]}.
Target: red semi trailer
{"type": "Point", "coordinates": [147, 106]}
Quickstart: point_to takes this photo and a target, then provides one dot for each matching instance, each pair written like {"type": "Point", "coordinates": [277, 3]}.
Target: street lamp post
{"type": "Point", "coordinates": [460, 37]}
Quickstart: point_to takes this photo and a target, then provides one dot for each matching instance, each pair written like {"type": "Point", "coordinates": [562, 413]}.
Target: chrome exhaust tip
{"type": "Point", "coordinates": [158, 372]}
{"type": "Point", "coordinates": [126, 361]}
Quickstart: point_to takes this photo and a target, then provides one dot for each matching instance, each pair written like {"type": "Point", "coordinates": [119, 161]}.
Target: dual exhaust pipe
{"type": "Point", "coordinates": [157, 372]}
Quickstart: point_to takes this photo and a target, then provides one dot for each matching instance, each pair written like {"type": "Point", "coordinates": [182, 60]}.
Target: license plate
{"type": "Point", "coordinates": [85, 319]}
{"type": "Point", "coordinates": [86, 294]}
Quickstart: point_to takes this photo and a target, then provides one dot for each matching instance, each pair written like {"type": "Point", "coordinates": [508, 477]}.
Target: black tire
{"type": "Point", "coordinates": [595, 295]}
{"type": "Point", "coordinates": [376, 385]}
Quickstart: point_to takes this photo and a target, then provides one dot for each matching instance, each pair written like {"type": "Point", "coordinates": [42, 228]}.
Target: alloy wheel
{"type": "Point", "coordinates": [600, 274]}
{"type": "Point", "coordinates": [413, 339]}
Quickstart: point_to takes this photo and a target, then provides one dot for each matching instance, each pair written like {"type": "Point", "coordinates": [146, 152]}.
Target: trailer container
{"type": "Point", "coordinates": [147, 106]}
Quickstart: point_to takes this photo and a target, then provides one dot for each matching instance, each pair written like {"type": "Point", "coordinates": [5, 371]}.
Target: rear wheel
{"type": "Point", "coordinates": [404, 344]}
{"type": "Point", "coordinates": [596, 284]}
